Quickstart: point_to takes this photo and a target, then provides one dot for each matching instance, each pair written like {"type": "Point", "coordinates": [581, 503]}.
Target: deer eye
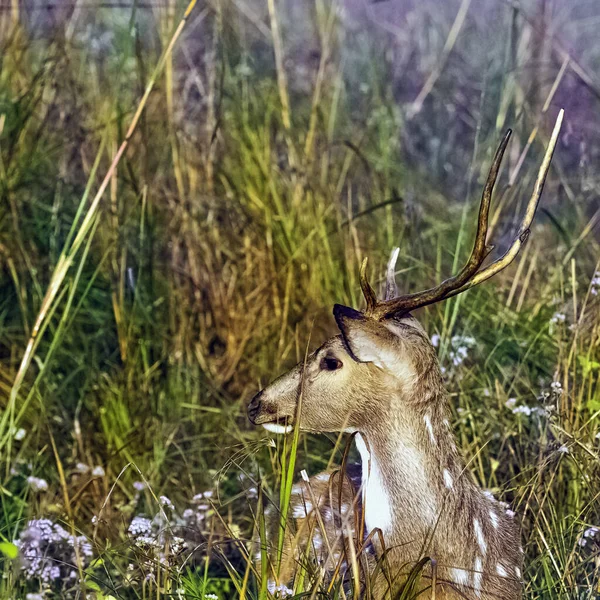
{"type": "Point", "coordinates": [330, 363]}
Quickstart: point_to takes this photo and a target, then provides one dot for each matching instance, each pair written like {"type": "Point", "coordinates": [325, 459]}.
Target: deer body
{"type": "Point", "coordinates": [380, 379]}
{"type": "Point", "coordinates": [415, 488]}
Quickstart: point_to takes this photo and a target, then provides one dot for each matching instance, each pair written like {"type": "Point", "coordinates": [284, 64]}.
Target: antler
{"type": "Point", "coordinates": [470, 275]}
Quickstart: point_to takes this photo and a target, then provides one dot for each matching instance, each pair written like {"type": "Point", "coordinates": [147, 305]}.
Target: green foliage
{"type": "Point", "coordinates": [238, 215]}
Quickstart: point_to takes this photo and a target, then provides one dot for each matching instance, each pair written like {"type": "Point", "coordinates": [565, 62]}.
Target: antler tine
{"type": "Point", "coordinates": [391, 289]}
{"type": "Point", "coordinates": [524, 229]}
{"type": "Point", "coordinates": [367, 290]}
{"type": "Point", "coordinates": [404, 304]}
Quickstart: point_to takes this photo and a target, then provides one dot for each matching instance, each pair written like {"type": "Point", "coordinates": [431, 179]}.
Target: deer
{"type": "Point", "coordinates": [412, 501]}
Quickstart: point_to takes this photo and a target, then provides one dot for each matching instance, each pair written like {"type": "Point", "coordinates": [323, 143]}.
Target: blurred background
{"type": "Point", "coordinates": [281, 142]}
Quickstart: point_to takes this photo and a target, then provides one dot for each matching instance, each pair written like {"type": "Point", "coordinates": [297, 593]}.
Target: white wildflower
{"type": "Point", "coordinates": [590, 532]}
{"type": "Point", "coordinates": [37, 484]}
{"type": "Point", "coordinates": [598, 436]}
{"type": "Point", "coordinates": [166, 502]}
{"type": "Point", "coordinates": [563, 449]}
{"type": "Point", "coordinates": [279, 591]}
{"type": "Point", "coordinates": [98, 472]}
{"type": "Point", "coordinates": [140, 526]}
{"type": "Point", "coordinates": [460, 346]}
{"type": "Point", "coordinates": [435, 340]}
{"type": "Point", "coordinates": [595, 284]}
{"type": "Point", "coordinates": [211, 597]}
{"type": "Point", "coordinates": [510, 403]}
{"type": "Point", "coordinates": [556, 387]}
{"type": "Point", "coordinates": [19, 434]}
{"type": "Point", "coordinates": [208, 494]}
{"type": "Point", "coordinates": [522, 410]}
{"type": "Point", "coordinates": [557, 318]}
{"type": "Point", "coordinates": [82, 467]}
{"type": "Point", "coordinates": [139, 486]}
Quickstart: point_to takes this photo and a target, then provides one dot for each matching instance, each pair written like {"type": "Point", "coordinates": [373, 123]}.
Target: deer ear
{"type": "Point", "coordinates": [367, 340]}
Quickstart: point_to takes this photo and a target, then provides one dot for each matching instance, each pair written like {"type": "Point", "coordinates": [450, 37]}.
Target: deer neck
{"type": "Point", "coordinates": [410, 466]}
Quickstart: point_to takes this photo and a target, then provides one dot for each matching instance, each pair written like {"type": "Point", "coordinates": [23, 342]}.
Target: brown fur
{"type": "Point", "coordinates": [390, 390]}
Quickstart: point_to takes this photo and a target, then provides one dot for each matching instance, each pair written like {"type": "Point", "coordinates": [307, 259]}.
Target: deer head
{"type": "Point", "coordinates": [346, 384]}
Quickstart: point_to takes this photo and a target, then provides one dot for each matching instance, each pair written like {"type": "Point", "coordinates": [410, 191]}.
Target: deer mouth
{"type": "Point", "coordinates": [279, 424]}
{"type": "Point", "coordinates": [274, 423]}
{"type": "Point", "coordinates": [263, 415]}
{"type": "Point", "coordinates": [276, 427]}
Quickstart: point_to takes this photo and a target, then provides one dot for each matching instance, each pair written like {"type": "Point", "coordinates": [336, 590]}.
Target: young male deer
{"type": "Point", "coordinates": [380, 379]}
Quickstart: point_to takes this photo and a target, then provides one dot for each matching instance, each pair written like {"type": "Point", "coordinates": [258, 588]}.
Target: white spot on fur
{"type": "Point", "coordinates": [448, 479]}
{"type": "Point", "coordinates": [429, 428]}
{"type": "Point", "coordinates": [317, 541]}
{"type": "Point", "coordinates": [301, 510]}
{"type": "Point", "coordinates": [477, 576]}
{"type": "Point", "coordinates": [494, 519]}
{"type": "Point", "coordinates": [277, 428]}
{"type": "Point", "coordinates": [460, 576]}
{"type": "Point", "coordinates": [376, 500]}
{"type": "Point", "coordinates": [518, 572]}
{"type": "Point", "coordinates": [501, 570]}
{"type": "Point", "coordinates": [510, 513]}
{"type": "Point", "coordinates": [479, 535]}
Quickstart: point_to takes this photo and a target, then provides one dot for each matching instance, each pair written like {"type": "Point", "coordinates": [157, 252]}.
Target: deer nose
{"type": "Point", "coordinates": [254, 406]}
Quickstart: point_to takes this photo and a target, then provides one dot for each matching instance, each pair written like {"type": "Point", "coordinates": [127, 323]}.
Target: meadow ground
{"type": "Point", "coordinates": [146, 296]}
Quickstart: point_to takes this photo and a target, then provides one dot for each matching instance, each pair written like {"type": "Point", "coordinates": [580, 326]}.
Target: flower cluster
{"type": "Point", "coordinates": [459, 348]}
{"type": "Point", "coordinates": [50, 554]}
{"type": "Point", "coordinates": [161, 539]}
{"type": "Point", "coordinates": [595, 284]}
{"type": "Point", "coordinates": [589, 536]}
{"type": "Point", "coordinates": [37, 484]}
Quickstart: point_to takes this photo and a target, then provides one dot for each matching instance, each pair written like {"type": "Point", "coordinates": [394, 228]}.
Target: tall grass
{"type": "Point", "coordinates": [153, 277]}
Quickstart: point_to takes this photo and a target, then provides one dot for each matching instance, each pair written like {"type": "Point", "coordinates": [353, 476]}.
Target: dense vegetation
{"type": "Point", "coordinates": [279, 145]}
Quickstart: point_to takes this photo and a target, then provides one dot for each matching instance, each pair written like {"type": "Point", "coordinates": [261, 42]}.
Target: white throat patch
{"type": "Point", "coordinates": [376, 500]}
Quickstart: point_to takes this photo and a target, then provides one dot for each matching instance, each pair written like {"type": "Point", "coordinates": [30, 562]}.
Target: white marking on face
{"type": "Point", "coordinates": [477, 576]}
{"type": "Point", "coordinates": [518, 572]}
{"type": "Point", "coordinates": [460, 576]}
{"type": "Point", "coordinates": [494, 519]}
{"type": "Point", "coordinates": [448, 479]}
{"type": "Point", "coordinates": [479, 535]}
{"type": "Point", "coordinates": [378, 511]}
{"type": "Point", "coordinates": [429, 428]}
{"type": "Point", "coordinates": [501, 570]}
{"type": "Point", "coordinates": [277, 428]}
